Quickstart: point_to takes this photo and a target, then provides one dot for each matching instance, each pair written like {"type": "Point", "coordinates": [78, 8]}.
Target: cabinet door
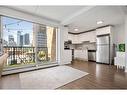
{"type": "Point", "coordinates": [70, 37]}
{"type": "Point", "coordinates": [102, 31]}
{"type": "Point", "coordinates": [93, 36]}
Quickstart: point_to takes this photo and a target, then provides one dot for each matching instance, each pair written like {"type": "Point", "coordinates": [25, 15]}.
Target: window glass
{"type": "Point", "coordinates": [28, 43]}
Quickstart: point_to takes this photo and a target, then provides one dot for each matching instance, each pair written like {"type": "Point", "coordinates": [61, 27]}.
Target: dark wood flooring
{"type": "Point", "coordinates": [100, 76]}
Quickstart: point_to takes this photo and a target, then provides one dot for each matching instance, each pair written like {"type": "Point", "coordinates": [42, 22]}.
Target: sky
{"type": "Point", "coordinates": [24, 26]}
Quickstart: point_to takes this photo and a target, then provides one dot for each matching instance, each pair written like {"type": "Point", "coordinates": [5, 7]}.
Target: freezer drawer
{"type": "Point", "coordinates": [102, 54]}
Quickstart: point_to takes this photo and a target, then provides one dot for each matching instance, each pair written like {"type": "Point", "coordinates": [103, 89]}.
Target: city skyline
{"type": "Point", "coordinates": [11, 26]}
{"type": "Point", "coordinates": [23, 39]}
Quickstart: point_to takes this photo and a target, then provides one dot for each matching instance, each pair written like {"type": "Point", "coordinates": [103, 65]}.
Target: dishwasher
{"type": "Point", "coordinates": [92, 55]}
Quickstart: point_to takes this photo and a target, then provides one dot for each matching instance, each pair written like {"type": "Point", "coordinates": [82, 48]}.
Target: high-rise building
{"type": "Point", "coordinates": [18, 37]}
{"type": "Point", "coordinates": [40, 41]}
{"type": "Point", "coordinates": [26, 39]}
{"type": "Point", "coordinates": [21, 40]}
{"type": "Point", "coordinates": [10, 38]}
{"type": "Point", "coordinates": [5, 43]}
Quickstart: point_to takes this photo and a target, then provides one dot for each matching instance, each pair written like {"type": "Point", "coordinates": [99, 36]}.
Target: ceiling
{"type": "Point", "coordinates": [110, 15]}
{"type": "Point", "coordinates": [57, 13]}
{"type": "Point", "coordinates": [82, 17]}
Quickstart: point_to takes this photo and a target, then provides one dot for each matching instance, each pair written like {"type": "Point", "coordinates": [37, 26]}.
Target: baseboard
{"type": "Point", "coordinates": [65, 63]}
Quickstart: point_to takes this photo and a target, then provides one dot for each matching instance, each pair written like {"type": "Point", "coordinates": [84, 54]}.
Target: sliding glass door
{"type": "Point", "coordinates": [45, 44]}
{"type": "Point", "coordinates": [27, 43]}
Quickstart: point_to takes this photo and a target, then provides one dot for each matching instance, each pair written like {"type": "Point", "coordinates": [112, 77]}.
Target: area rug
{"type": "Point", "coordinates": [50, 78]}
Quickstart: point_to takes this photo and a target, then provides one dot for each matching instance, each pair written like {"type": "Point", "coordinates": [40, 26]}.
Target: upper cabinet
{"type": "Point", "coordinates": [103, 31]}
{"type": "Point", "coordinates": [70, 36]}
{"type": "Point", "coordinates": [89, 36]}
{"type": "Point", "coordinates": [80, 38]}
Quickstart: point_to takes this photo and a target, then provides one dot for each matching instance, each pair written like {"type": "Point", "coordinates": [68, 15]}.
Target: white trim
{"type": "Point", "coordinates": [59, 46]}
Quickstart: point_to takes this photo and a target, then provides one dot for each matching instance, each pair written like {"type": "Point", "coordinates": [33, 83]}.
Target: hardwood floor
{"type": "Point", "coordinates": [100, 77]}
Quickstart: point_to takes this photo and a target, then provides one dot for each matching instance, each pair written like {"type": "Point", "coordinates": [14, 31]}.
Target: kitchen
{"type": "Point", "coordinates": [85, 28]}
{"type": "Point", "coordinates": [95, 45]}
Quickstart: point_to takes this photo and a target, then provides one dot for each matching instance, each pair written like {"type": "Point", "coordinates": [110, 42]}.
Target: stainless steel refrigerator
{"type": "Point", "coordinates": [103, 49]}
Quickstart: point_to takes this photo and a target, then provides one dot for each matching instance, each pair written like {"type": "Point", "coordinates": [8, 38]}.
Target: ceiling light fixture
{"type": "Point", "coordinates": [76, 29]}
{"type": "Point", "coordinates": [99, 22]}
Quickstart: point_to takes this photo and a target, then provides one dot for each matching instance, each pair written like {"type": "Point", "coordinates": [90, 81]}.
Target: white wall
{"type": "Point", "coordinates": [125, 41]}
{"type": "Point", "coordinates": [65, 56]}
{"type": "Point", "coordinates": [119, 34]}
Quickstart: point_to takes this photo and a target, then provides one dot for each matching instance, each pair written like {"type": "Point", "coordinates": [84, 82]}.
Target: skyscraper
{"type": "Point", "coordinates": [21, 40]}
{"type": "Point", "coordinates": [26, 39]}
{"type": "Point", "coordinates": [18, 37]}
{"type": "Point", "coordinates": [11, 40]}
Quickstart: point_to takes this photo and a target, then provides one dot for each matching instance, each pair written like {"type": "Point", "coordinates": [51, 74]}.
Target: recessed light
{"type": "Point", "coordinates": [99, 22]}
{"type": "Point", "coordinates": [76, 29]}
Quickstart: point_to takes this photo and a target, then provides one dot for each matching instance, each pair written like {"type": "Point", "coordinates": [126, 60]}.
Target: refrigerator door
{"type": "Point", "coordinates": [102, 54]}
{"type": "Point", "coordinates": [103, 40]}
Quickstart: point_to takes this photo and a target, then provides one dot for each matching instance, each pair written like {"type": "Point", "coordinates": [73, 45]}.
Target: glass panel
{"type": "Point", "coordinates": [45, 44]}
{"type": "Point", "coordinates": [51, 43]}
{"type": "Point", "coordinates": [18, 42]}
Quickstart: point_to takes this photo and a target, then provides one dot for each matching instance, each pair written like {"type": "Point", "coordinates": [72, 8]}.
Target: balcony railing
{"type": "Point", "coordinates": [19, 55]}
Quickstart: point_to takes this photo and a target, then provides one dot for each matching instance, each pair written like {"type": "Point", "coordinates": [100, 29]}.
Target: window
{"type": "Point", "coordinates": [28, 43]}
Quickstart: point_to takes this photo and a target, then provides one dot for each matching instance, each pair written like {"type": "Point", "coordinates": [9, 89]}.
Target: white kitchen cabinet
{"type": "Point", "coordinates": [119, 60]}
{"type": "Point", "coordinates": [89, 36]}
{"type": "Point", "coordinates": [81, 54]}
{"type": "Point", "coordinates": [102, 31]}
{"type": "Point", "coordinates": [93, 36]}
{"type": "Point", "coordinates": [73, 38]}
{"type": "Point", "coordinates": [67, 57]}
{"type": "Point", "coordinates": [70, 37]}
{"type": "Point", "coordinates": [80, 38]}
